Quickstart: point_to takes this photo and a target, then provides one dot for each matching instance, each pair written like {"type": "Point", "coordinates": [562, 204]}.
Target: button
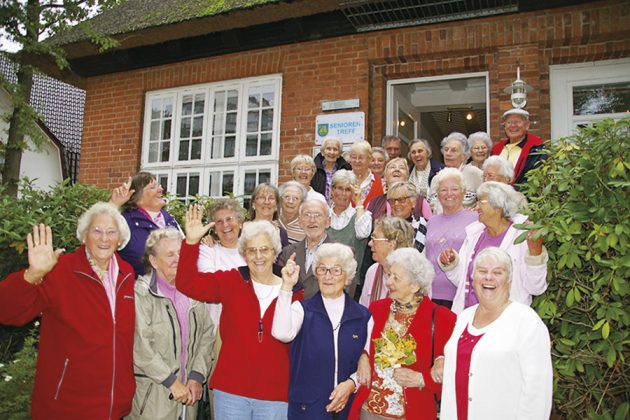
{"type": "Point", "coordinates": [470, 399]}
{"type": "Point", "coordinates": [470, 374]}
{"type": "Point", "coordinates": [303, 407]}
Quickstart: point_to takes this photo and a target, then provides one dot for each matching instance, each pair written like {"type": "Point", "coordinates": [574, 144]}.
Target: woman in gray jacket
{"type": "Point", "coordinates": [173, 338]}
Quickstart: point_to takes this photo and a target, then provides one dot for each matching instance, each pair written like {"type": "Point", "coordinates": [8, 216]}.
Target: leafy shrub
{"type": "Point", "coordinates": [580, 201]}
{"type": "Point", "coordinates": [16, 380]}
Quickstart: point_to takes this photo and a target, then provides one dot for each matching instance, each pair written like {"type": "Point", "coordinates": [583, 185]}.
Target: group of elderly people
{"type": "Point", "coordinates": [264, 310]}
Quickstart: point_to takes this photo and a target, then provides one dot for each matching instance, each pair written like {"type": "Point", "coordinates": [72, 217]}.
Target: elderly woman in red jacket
{"type": "Point", "coordinates": [400, 385]}
{"type": "Point", "coordinates": [86, 301]}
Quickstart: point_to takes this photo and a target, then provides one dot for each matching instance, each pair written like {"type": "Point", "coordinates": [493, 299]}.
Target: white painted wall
{"type": "Point", "coordinates": [42, 165]}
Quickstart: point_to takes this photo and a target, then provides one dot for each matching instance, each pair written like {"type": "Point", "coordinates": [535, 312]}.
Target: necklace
{"type": "Point", "coordinates": [405, 308]}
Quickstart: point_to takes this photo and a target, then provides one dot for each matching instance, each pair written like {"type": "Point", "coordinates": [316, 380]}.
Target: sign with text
{"type": "Point", "coordinates": [348, 127]}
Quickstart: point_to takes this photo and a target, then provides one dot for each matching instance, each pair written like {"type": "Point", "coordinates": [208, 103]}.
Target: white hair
{"type": "Point", "coordinates": [449, 173]}
{"type": "Point", "coordinates": [501, 196]}
{"type": "Point", "coordinates": [499, 256]}
{"type": "Point", "coordinates": [330, 140]}
{"type": "Point", "coordinates": [460, 138]}
{"type": "Point", "coordinates": [417, 266]}
{"type": "Point", "coordinates": [339, 252]}
{"type": "Point", "coordinates": [506, 168]}
{"type": "Point", "coordinates": [107, 209]}
{"type": "Point", "coordinates": [343, 176]}
{"type": "Point", "coordinates": [479, 135]}
{"type": "Point", "coordinates": [259, 227]}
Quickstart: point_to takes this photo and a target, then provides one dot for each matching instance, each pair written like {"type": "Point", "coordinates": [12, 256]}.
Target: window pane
{"type": "Point", "coordinates": [267, 120]}
{"type": "Point", "coordinates": [166, 130]}
{"type": "Point", "coordinates": [254, 99]}
{"type": "Point", "coordinates": [264, 177]}
{"type": "Point", "coordinates": [193, 185]}
{"type": "Point", "coordinates": [187, 105]}
{"type": "Point", "coordinates": [268, 96]}
{"type": "Point", "coordinates": [215, 148]}
{"type": "Point", "coordinates": [154, 132]}
{"type": "Point", "coordinates": [166, 151]}
{"type": "Point", "coordinates": [219, 101]}
{"type": "Point", "coordinates": [153, 152]}
{"type": "Point", "coordinates": [168, 108]}
{"type": "Point", "coordinates": [218, 124]}
{"type": "Point", "coordinates": [232, 100]}
{"type": "Point", "coordinates": [251, 147]}
{"type": "Point", "coordinates": [250, 183]}
{"type": "Point", "coordinates": [184, 130]}
{"type": "Point", "coordinates": [180, 190]}
{"type": "Point", "coordinates": [229, 147]}
{"type": "Point", "coordinates": [228, 183]}
{"type": "Point", "coordinates": [252, 121]}
{"type": "Point", "coordinates": [601, 99]}
{"type": "Point", "coordinates": [199, 103]}
{"type": "Point", "coordinates": [197, 127]}
{"type": "Point", "coordinates": [195, 152]}
{"type": "Point", "coordinates": [156, 109]}
{"type": "Point", "coordinates": [230, 123]}
{"type": "Point", "coordinates": [183, 150]}
{"type": "Point", "coordinates": [265, 144]}
{"type": "Point", "coordinates": [163, 181]}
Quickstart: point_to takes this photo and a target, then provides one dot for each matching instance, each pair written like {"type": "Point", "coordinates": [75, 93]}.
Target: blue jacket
{"type": "Point", "coordinates": [312, 366]}
{"type": "Point", "coordinates": [140, 226]}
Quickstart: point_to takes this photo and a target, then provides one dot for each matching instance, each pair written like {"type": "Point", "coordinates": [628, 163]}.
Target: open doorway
{"type": "Point", "coordinates": [432, 107]}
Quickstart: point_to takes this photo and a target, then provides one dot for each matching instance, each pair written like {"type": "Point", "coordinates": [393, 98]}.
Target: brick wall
{"type": "Point", "coordinates": [359, 66]}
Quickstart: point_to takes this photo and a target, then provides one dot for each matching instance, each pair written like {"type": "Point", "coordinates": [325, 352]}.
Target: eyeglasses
{"type": "Point", "coordinates": [374, 238]}
{"type": "Point", "coordinates": [267, 198]}
{"type": "Point", "coordinates": [98, 232]}
{"type": "Point", "coordinates": [291, 198]}
{"type": "Point", "coordinates": [484, 201]}
{"type": "Point", "coordinates": [253, 252]}
{"type": "Point", "coordinates": [480, 148]}
{"type": "Point", "coordinates": [303, 169]}
{"type": "Point", "coordinates": [309, 215]}
{"type": "Point", "coordinates": [225, 220]}
{"type": "Point", "coordinates": [334, 270]}
{"type": "Point", "coordinates": [399, 200]}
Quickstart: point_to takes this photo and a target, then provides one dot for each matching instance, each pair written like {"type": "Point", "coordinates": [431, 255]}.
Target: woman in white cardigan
{"type": "Point", "coordinates": [498, 205]}
{"type": "Point", "coordinates": [497, 363]}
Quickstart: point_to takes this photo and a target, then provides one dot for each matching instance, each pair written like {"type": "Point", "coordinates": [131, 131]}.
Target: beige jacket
{"type": "Point", "coordinates": [157, 351]}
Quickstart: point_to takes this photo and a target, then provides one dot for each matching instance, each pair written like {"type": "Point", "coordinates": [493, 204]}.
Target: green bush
{"type": "Point", "coordinates": [16, 380]}
{"type": "Point", "coordinates": [580, 201]}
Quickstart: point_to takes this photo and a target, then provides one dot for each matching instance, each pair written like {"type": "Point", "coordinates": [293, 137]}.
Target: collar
{"type": "Point", "coordinates": [350, 309]}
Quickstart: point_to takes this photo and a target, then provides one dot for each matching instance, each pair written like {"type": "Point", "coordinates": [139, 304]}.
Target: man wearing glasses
{"type": "Point", "coordinates": [521, 148]}
{"type": "Point", "coordinates": [314, 218]}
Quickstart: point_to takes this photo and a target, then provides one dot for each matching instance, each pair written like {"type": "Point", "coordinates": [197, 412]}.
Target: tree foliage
{"type": "Point", "coordinates": [580, 199]}
{"type": "Point", "coordinates": [28, 23]}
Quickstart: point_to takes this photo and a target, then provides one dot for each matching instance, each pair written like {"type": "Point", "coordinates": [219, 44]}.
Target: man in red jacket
{"type": "Point", "coordinates": [521, 148]}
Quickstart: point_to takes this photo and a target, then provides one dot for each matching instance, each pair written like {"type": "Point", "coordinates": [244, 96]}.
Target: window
{"type": "Point", "coordinates": [213, 139]}
{"type": "Point", "coordinates": [585, 93]}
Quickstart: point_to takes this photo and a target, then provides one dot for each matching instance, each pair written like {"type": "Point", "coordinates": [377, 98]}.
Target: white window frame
{"type": "Point", "coordinates": [204, 166]}
{"type": "Point", "coordinates": [564, 77]}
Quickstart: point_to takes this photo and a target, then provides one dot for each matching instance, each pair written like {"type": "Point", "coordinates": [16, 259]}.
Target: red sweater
{"type": "Point", "coordinates": [250, 365]}
{"type": "Point", "coordinates": [420, 403]}
{"type": "Point", "coordinates": [85, 361]}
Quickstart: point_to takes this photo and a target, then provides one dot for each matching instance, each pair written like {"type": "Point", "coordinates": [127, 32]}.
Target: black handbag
{"type": "Point", "coordinates": [437, 402]}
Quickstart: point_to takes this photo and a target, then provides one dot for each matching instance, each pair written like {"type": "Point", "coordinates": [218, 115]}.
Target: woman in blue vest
{"type": "Point", "coordinates": [328, 334]}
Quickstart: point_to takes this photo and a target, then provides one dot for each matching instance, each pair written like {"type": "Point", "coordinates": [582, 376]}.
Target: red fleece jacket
{"type": "Point", "coordinates": [85, 361]}
{"type": "Point", "coordinates": [251, 362]}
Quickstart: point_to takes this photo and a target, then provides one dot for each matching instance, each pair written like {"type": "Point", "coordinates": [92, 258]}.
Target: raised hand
{"type": "Point", "coordinates": [122, 194]}
{"type": "Point", "coordinates": [447, 256]}
{"type": "Point", "coordinates": [357, 195]}
{"type": "Point", "coordinates": [534, 245]}
{"type": "Point", "coordinates": [194, 227]}
{"type": "Point", "coordinates": [41, 257]}
{"type": "Point", "coordinates": [290, 274]}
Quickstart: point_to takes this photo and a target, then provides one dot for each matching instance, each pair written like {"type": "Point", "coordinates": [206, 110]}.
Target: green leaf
{"type": "Point", "coordinates": [622, 411]}
{"type": "Point", "coordinates": [605, 330]}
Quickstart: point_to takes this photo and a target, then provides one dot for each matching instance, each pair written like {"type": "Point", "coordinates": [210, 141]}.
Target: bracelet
{"type": "Point", "coordinates": [355, 384]}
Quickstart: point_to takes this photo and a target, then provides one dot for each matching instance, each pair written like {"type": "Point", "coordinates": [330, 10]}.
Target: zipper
{"type": "Point", "coordinates": [191, 346]}
{"type": "Point", "coordinates": [146, 398]}
{"type": "Point", "coordinates": [63, 374]}
{"type": "Point", "coordinates": [170, 317]}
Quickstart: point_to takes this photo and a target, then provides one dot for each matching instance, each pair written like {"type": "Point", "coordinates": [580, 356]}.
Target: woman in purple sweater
{"type": "Point", "coordinates": [447, 230]}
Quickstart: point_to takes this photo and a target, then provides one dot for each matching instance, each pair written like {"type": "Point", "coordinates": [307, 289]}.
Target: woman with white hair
{"type": "Point", "coordinates": [173, 338]}
{"type": "Point", "coordinates": [379, 160]}
{"type": "Point", "coordinates": [480, 145]}
{"type": "Point", "coordinates": [86, 302]}
{"type": "Point", "coordinates": [303, 169]}
{"type": "Point", "coordinates": [401, 385]}
{"type": "Point", "coordinates": [424, 168]}
{"type": "Point", "coordinates": [292, 195]}
{"type": "Point", "coordinates": [499, 355]}
{"type": "Point", "coordinates": [497, 168]}
{"type": "Point", "coordinates": [248, 295]}
{"type": "Point", "coordinates": [328, 161]}
{"type": "Point", "coordinates": [348, 225]}
{"type": "Point", "coordinates": [447, 230]}
{"type": "Point", "coordinates": [360, 157]}
{"type": "Point", "coordinates": [498, 207]}
{"type": "Point", "coordinates": [455, 151]}
{"type": "Point", "coordinates": [328, 334]}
